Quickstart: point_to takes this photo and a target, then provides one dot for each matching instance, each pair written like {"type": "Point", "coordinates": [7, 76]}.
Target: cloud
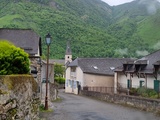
{"type": "Point", "coordinates": [116, 2]}
{"type": "Point", "coordinates": [142, 53]}
{"type": "Point", "coordinates": [157, 46]}
{"type": "Point", "coordinates": [151, 5]}
{"type": "Point", "coordinates": [122, 51]}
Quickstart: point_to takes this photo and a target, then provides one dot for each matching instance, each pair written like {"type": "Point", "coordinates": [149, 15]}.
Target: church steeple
{"type": "Point", "coordinates": [68, 49]}
{"type": "Point", "coordinates": [68, 55]}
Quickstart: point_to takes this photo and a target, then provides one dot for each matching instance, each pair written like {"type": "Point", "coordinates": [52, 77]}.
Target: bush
{"type": "Point", "coordinates": [41, 107]}
{"type": "Point", "coordinates": [13, 60]}
{"type": "Point", "coordinates": [60, 80]}
{"type": "Point", "coordinates": [145, 92]}
{"type": "Point", "coordinates": [133, 91]}
{"type": "Point", "coordinates": [141, 90]}
{"type": "Point", "coordinates": [152, 93]}
{"type": "Point", "coordinates": [59, 70]}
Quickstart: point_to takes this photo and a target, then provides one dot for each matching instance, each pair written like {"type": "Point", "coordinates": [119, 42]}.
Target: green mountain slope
{"type": "Point", "coordinates": [149, 29]}
{"type": "Point", "coordinates": [137, 23]}
{"type": "Point", "coordinates": [94, 28]}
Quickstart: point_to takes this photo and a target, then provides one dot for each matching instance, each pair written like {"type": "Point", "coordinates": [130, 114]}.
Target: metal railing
{"type": "Point", "coordinates": [100, 89]}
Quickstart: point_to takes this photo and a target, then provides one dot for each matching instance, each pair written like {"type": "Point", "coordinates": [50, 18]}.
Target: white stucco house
{"type": "Point", "coordinates": [137, 73]}
{"type": "Point", "coordinates": [91, 72]}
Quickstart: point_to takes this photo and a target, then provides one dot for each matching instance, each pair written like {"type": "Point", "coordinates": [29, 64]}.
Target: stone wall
{"type": "Point", "coordinates": [35, 63]}
{"type": "Point", "coordinates": [18, 98]}
{"type": "Point", "coordinates": [152, 105]}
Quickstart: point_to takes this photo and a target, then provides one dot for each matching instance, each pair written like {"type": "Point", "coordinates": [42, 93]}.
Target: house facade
{"type": "Point", "coordinates": [144, 72]}
{"type": "Point", "coordinates": [90, 72]}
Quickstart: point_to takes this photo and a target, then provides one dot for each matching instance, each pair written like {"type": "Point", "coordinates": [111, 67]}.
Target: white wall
{"type": "Point", "coordinates": [67, 87]}
{"type": "Point", "coordinates": [122, 79]}
{"type": "Point", "coordinates": [68, 73]}
{"type": "Point", "coordinates": [71, 85]}
{"type": "Point", "coordinates": [50, 72]}
{"type": "Point", "coordinates": [79, 75]}
{"type": "Point", "coordinates": [93, 80]}
{"type": "Point", "coordinates": [38, 54]}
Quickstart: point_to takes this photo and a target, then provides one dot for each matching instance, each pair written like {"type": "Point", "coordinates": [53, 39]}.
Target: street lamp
{"type": "Point", "coordinates": [48, 42]}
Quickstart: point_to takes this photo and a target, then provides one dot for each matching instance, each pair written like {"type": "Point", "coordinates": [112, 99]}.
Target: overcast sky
{"type": "Point", "coordinates": [116, 2]}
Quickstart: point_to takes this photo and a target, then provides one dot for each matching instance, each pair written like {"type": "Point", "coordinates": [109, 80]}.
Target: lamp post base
{"type": "Point", "coordinates": [46, 103]}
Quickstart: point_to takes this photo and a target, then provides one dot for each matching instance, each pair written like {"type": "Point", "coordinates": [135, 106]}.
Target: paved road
{"type": "Point", "coordinates": [75, 107]}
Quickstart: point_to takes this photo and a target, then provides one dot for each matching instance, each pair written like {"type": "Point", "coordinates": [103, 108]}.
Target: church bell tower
{"type": "Point", "coordinates": [68, 55]}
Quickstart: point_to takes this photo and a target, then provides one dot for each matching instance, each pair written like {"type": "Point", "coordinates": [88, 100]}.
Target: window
{"type": "Point", "coordinates": [141, 83]}
{"type": "Point", "coordinates": [157, 85]}
{"type": "Point", "coordinates": [129, 84]}
{"type": "Point", "coordinates": [95, 67]}
{"type": "Point", "coordinates": [73, 69]}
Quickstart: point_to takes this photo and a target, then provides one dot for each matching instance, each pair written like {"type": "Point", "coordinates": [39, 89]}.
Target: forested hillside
{"type": "Point", "coordinates": [94, 28]}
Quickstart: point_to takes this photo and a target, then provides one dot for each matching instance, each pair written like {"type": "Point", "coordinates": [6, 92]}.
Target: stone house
{"type": "Point", "coordinates": [140, 72]}
{"type": "Point", "coordinates": [91, 72]}
{"type": "Point", "coordinates": [30, 42]}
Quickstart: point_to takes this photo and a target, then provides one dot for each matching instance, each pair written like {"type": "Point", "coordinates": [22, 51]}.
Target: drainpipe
{"type": "Point", "coordinates": [146, 81]}
{"type": "Point", "coordinates": [115, 82]}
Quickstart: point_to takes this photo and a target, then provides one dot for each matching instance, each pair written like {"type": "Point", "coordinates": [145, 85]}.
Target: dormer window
{"type": "Point", "coordinates": [95, 67]}
{"type": "Point", "coordinates": [112, 68]}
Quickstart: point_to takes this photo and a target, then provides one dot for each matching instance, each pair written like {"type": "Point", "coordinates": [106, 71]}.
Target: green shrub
{"type": "Point", "coordinates": [13, 60]}
{"type": "Point", "coordinates": [141, 90]}
{"type": "Point", "coordinates": [152, 93]}
{"type": "Point", "coordinates": [133, 90]}
{"type": "Point", "coordinates": [59, 70]}
{"type": "Point", "coordinates": [60, 80]}
{"type": "Point", "coordinates": [145, 92]}
{"type": "Point", "coordinates": [41, 107]}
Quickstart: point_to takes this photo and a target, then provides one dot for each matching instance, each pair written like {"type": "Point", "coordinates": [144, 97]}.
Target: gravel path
{"type": "Point", "coordinates": [74, 107]}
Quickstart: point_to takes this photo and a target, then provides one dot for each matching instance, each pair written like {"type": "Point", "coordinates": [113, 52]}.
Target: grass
{"type": "Point", "coordinates": [42, 109]}
{"type": "Point", "coordinates": [58, 100]}
{"type": "Point", "coordinates": [6, 20]}
{"type": "Point", "coordinates": [149, 30]}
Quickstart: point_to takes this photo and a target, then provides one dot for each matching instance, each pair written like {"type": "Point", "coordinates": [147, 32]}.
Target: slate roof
{"type": "Point", "coordinates": [147, 63]}
{"type": "Point", "coordinates": [58, 61]}
{"type": "Point", "coordinates": [141, 62]}
{"type": "Point", "coordinates": [157, 63]}
{"type": "Point", "coordinates": [151, 59]}
{"type": "Point", "coordinates": [26, 39]}
{"type": "Point", "coordinates": [50, 62]}
{"type": "Point", "coordinates": [102, 66]}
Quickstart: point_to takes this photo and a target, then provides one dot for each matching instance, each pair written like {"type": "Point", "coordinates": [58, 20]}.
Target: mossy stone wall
{"type": "Point", "coordinates": [18, 98]}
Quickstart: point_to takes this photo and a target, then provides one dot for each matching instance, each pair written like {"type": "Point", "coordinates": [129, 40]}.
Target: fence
{"type": "Point", "coordinates": [99, 89]}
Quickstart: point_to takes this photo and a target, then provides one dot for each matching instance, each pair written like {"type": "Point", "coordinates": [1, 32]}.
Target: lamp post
{"type": "Point", "coordinates": [48, 42]}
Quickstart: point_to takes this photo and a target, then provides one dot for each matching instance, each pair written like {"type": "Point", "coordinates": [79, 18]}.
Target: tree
{"type": "Point", "coordinates": [58, 73]}
{"type": "Point", "coordinates": [58, 70]}
{"type": "Point", "coordinates": [13, 60]}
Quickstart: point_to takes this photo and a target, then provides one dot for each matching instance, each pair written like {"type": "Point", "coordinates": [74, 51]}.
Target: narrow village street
{"type": "Point", "coordinates": [74, 107]}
